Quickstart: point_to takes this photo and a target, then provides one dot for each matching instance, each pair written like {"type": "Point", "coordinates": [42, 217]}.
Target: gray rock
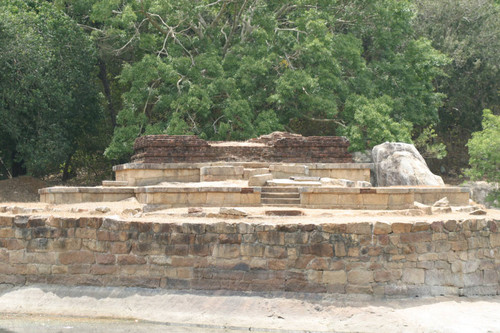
{"type": "Point", "coordinates": [478, 212]}
{"type": "Point", "coordinates": [259, 180]}
{"type": "Point", "coordinates": [425, 208]}
{"type": "Point", "coordinates": [480, 190]}
{"type": "Point", "coordinates": [131, 212]}
{"type": "Point", "coordinates": [443, 202]}
{"type": "Point", "coordinates": [194, 210]}
{"type": "Point", "coordinates": [154, 207]}
{"type": "Point", "coordinates": [362, 156]}
{"type": "Point", "coordinates": [441, 210]}
{"type": "Point", "coordinates": [337, 182]}
{"type": "Point", "coordinates": [362, 183]}
{"type": "Point", "coordinates": [232, 211]}
{"type": "Point", "coordinates": [399, 163]}
{"type": "Point", "coordinates": [103, 209]}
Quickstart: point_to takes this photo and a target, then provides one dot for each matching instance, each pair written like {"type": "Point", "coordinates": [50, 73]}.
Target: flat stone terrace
{"type": "Point", "coordinates": [138, 174]}
{"type": "Point", "coordinates": [237, 194]}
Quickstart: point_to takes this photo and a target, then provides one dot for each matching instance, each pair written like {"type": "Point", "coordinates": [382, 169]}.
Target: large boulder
{"type": "Point", "coordinates": [479, 192]}
{"type": "Point", "coordinates": [399, 163]}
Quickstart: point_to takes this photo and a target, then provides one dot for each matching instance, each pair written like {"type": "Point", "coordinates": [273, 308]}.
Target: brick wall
{"type": "Point", "coordinates": [449, 257]}
{"type": "Point", "coordinates": [280, 148]}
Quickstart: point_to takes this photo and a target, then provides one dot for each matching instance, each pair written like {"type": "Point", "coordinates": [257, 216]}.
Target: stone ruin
{"type": "Point", "coordinates": [276, 147]}
{"type": "Point", "coordinates": [279, 169]}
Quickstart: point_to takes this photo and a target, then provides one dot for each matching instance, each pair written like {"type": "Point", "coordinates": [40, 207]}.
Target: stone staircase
{"type": "Point", "coordinates": [280, 196]}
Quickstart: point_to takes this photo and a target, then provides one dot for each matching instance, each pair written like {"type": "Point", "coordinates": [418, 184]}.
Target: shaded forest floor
{"type": "Point", "coordinates": [21, 189]}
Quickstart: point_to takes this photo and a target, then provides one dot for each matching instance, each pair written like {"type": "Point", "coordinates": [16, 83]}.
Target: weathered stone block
{"type": "Point", "coordinates": [103, 269]}
{"type": "Point", "coordinates": [320, 250]}
{"type": "Point", "coordinates": [275, 252]}
{"type": "Point", "coordinates": [382, 228]}
{"type": "Point", "coordinates": [443, 278]}
{"type": "Point", "coordinates": [120, 247]}
{"type": "Point", "coordinates": [334, 277]}
{"type": "Point", "coordinates": [226, 251]}
{"type": "Point", "coordinates": [495, 239]}
{"type": "Point", "coordinates": [416, 237]}
{"type": "Point", "coordinates": [76, 257]}
{"type": "Point", "coordinates": [360, 277]}
{"type": "Point", "coordinates": [414, 275]}
{"type": "Point", "coordinates": [259, 180]}
{"type": "Point", "coordinates": [420, 226]}
{"type": "Point", "coordinates": [399, 228]}
{"type": "Point", "coordinates": [359, 228]}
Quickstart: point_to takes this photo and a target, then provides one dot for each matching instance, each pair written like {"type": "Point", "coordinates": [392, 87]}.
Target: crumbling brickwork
{"type": "Point", "coordinates": [275, 148]}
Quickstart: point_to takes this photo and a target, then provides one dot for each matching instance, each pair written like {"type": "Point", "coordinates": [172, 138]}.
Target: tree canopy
{"type": "Point", "coordinates": [49, 102]}
{"type": "Point", "coordinates": [236, 69]}
{"type": "Point", "coordinates": [468, 31]}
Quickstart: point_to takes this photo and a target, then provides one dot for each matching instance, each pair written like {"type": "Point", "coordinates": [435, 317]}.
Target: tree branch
{"type": "Point", "coordinates": [235, 24]}
{"type": "Point", "coordinates": [326, 120]}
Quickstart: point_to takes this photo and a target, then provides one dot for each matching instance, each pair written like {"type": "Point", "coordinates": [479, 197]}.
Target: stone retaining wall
{"type": "Point", "coordinates": [439, 258]}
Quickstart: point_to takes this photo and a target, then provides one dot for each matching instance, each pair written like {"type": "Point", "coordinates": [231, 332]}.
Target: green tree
{"type": "Point", "coordinates": [468, 32]}
{"type": "Point", "coordinates": [484, 151]}
{"type": "Point", "coordinates": [236, 69]}
{"type": "Point", "coordinates": [49, 103]}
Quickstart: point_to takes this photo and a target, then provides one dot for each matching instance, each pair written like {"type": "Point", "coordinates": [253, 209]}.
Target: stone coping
{"type": "Point", "coordinates": [388, 189]}
{"type": "Point", "coordinates": [160, 166]}
{"type": "Point", "coordinates": [307, 189]}
{"type": "Point", "coordinates": [96, 189]}
{"type": "Point", "coordinates": [446, 189]}
{"type": "Point", "coordinates": [171, 189]}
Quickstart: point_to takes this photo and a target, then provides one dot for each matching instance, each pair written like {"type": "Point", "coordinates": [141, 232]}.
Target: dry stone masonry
{"type": "Point", "coordinates": [449, 257]}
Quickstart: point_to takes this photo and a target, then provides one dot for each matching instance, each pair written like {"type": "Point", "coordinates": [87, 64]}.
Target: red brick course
{"type": "Point", "coordinates": [280, 148]}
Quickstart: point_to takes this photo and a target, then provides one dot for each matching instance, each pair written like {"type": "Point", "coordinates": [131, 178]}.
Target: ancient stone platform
{"type": "Point", "coordinates": [139, 174]}
{"type": "Point", "coordinates": [215, 196]}
{"type": "Point", "coordinates": [183, 171]}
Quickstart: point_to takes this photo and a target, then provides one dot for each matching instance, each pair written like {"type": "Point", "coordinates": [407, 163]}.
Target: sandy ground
{"type": "Point", "coordinates": [132, 210]}
{"type": "Point", "coordinates": [278, 312]}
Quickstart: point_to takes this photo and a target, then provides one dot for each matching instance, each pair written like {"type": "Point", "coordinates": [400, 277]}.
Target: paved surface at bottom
{"type": "Point", "coordinates": [42, 308]}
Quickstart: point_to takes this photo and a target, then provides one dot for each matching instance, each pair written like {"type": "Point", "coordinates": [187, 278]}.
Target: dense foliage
{"type": "Point", "coordinates": [49, 102]}
{"type": "Point", "coordinates": [236, 69]}
{"type": "Point", "coordinates": [76, 73]}
{"type": "Point", "coordinates": [468, 31]}
{"type": "Point", "coordinates": [484, 150]}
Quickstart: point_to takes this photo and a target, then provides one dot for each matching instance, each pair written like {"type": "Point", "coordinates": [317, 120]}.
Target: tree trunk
{"type": "Point", "coordinates": [18, 168]}
{"type": "Point", "coordinates": [66, 171]}
{"type": "Point", "coordinates": [103, 76]}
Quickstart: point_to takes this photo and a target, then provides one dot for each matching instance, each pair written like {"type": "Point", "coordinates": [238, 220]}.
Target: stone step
{"type": "Point", "coordinates": [280, 205]}
{"type": "Point", "coordinates": [289, 182]}
{"type": "Point", "coordinates": [305, 179]}
{"type": "Point", "coordinates": [114, 183]}
{"type": "Point", "coordinates": [266, 189]}
{"type": "Point", "coordinates": [285, 195]}
{"type": "Point", "coordinates": [280, 201]}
